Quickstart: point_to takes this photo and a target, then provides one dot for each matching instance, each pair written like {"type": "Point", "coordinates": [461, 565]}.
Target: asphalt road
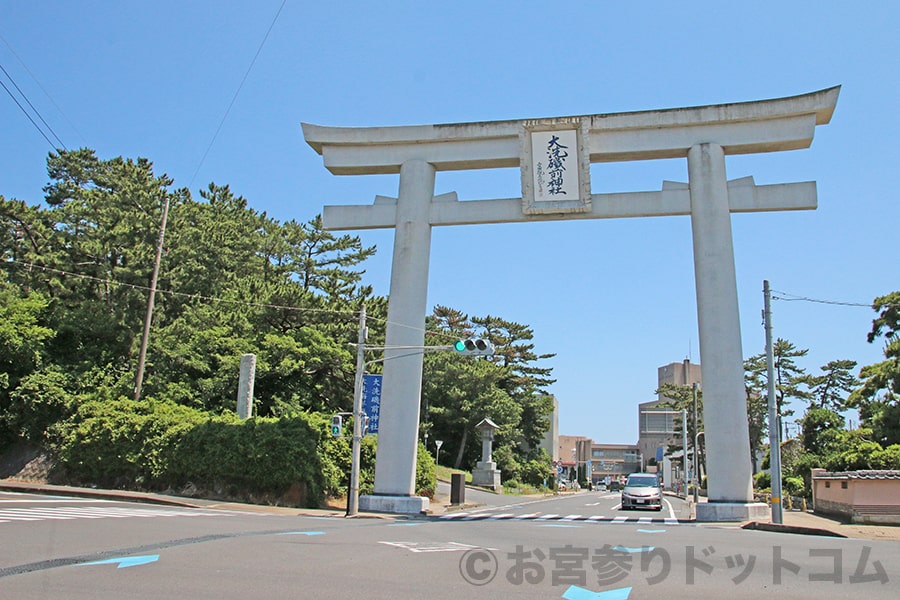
{"type": "Point", "coordinates": [57, 547]}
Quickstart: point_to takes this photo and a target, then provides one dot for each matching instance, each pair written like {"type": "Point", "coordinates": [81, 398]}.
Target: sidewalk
{"type": "Point", "coordinates": [810, 523]}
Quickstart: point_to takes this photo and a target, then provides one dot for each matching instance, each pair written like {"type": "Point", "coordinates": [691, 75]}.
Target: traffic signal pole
{"type": "Point", "coordinates": [468, 347]}
{"type": "Point", "coordinates": [358, 417]}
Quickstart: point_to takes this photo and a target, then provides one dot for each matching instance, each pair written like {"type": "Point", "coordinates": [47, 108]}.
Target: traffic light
{"type": "Point", "coordinates": [473, 347]}
{"type": "Point", "coordinates": [337, 425]}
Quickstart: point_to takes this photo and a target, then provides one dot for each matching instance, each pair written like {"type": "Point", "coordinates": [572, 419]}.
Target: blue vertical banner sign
{"type": "Point", "coordinates": [372, 400]}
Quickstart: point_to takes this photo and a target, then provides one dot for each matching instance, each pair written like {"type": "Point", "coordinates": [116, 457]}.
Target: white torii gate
{"type": "Point", "coordinates": [554, 156]}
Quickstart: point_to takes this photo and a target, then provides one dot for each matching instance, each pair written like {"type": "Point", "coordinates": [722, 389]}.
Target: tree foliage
{"type": "Point", "coordinates": [878, 397]}
{"type": "Point", "coordinates": [459, 391]}
{"type": "Point", "coordinates": [73, 299]}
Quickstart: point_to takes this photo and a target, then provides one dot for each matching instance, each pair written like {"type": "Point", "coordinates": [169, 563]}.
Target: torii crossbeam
{"type": "Point", "coordinates": [554, 157]}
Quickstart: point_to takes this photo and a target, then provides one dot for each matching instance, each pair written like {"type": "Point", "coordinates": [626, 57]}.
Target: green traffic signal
{"type": "Point", "coordinates": [473, 347]}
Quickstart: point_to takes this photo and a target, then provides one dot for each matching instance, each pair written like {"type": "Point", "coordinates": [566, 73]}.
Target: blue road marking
{"type": "Point", "coordinates": [576, 593]}
{"type": "Point", "coordinates": [633, 550]}
{"type": "Point", "coordinates": [302, 533]}
{"type": "Point", "coordinates": [127, 561]}
{"type": "Point", "coordinates": [652, 530]}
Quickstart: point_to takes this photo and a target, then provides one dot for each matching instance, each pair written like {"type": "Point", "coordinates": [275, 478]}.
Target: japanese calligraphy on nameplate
{"type": "Point", "coordinates": [555, 167]}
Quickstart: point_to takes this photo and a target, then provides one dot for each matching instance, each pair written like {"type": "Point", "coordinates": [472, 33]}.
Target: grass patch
{"type": "Point", "coordinates": [444, 473]}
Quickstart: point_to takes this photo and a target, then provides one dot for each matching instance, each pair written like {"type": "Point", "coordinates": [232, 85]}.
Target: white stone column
{"type": "Point", "coordinates": [395, 463]}
{"type": "Point", "coordinates": [721, 357]}
{"type": "Point", "coordinates": [245, 386]}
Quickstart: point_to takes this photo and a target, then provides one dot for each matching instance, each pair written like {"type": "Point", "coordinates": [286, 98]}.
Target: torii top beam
{"type": "Point", "coordinates": [740, 128]}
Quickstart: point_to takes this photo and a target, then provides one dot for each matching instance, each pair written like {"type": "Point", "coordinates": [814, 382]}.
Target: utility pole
{"type": "Point", "coordinates": [774, 429]}
{"type": "Point", "coordinates": [684, 453]}
{"type": "Point", "coordinates": [696, 450]}
{"type": "Point", "coordinates": [139, 378]}
{"type": "Point", "coordinates": [358, 417]}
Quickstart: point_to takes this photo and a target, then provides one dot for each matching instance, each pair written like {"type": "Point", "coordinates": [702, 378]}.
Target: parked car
{"type": "Point", "coordinates": [642, 490]}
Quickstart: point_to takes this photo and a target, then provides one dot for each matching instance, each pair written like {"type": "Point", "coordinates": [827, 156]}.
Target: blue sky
{"type": "Point", "coordinates": [613, 299]}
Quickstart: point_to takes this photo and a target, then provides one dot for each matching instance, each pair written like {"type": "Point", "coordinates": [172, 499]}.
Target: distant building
{"type": "Point", "coordinates": [656, 430]}
{"type": "Point", "coordinates": [611, 462]}
{"type": "Point", "coordinates": [567, 452]}
{"type": "Point", "coordinates": [656, 424]}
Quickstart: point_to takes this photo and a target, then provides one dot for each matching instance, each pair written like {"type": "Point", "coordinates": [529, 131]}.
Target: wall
{"type": "Point", "coordinates": [858, 496]}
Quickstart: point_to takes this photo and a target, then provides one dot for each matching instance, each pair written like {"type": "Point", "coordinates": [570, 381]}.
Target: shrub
{"type": "Point", "coordinates": [537, 470]}
{"type": "Point", "coordinates": [426, 472]}
{"type": "Point", "coordinates": [792, 486]}
{"type": "Point", "coordinates": [161, 445]}
{"type": "Point", "coordinates": [39, 401]}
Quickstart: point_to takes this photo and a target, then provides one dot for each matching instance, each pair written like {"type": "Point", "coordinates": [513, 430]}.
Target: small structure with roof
{"type": "Point", "coordinates": [869, 497]}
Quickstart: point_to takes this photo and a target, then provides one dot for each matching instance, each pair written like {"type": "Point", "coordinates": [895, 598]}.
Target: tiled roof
{"type": "Point", "coordinates": [868, 474]}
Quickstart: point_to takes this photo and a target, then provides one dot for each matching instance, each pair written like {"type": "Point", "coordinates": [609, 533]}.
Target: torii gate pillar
{"type": "Point", "coordinates": [554, 156]}
{"type": "Point", "coordinates": [718, 315]}
{"type": "Point", "coordinates": [398, 426]}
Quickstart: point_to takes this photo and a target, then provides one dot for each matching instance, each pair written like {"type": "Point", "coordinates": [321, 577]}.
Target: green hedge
{"type": "Point", "coordinates": [157, 445]}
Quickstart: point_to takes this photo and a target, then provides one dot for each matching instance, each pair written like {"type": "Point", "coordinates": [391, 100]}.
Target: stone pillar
{"type": "Point", "coordinates": [395, 462]}
{"type": "Point", "coordinates": [245, 386]}
{"type": "Point", "coordinates": [721, 358]}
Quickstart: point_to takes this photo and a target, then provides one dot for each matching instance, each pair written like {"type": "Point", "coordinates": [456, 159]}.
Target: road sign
{"type": "Point", "coordinates": [372, 400]}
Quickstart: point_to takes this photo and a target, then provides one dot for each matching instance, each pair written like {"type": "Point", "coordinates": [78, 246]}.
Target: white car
{"type": "Point", "coordinates": [642, 490]}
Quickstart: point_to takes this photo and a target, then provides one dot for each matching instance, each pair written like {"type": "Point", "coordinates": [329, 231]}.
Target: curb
{"type": "Point", "coordinates": [31, 488]}
{"type": "Point", "coordinates": [780, 528]}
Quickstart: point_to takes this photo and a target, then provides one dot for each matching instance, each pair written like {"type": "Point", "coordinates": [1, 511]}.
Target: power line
{"type": "Point", "coordinates": [107, 281]}
{"type": "Point", "coordinates": [38, 83]}
{"type": "Point", "coordinates": [794, 298]}
{"type": "Point", "coordinates": [36, 111]}
{"type": "Point", "coordinates": [238, 91]}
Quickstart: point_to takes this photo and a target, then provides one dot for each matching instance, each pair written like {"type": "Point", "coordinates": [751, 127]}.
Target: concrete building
{"type": "Point", "coordinates": [605, 462]}
{"type": "Point", "coordinates": [656, 423]}
{"type": "Point", "coordinates": [612, 462]}
{"type": "Point", "coordinates": [567, 453]}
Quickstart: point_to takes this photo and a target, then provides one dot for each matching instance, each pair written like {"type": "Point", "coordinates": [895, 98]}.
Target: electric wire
{"type": "Point", "coordinates": [787, 297]}
{"type": "Point", "coordinates": [25, 112]}
{"type": "Point", "coordinates": [38, 83]}
{"type": "Point", "coordinates": [113, 282]}
{"type": "Point", "coordinates": [236, 93]}
{"type": "Point", "coordinates": [106, 281]}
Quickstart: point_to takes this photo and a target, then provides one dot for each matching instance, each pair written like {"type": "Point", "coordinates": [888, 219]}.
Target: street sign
{"type": "Point", "coordinates": [372, 400]}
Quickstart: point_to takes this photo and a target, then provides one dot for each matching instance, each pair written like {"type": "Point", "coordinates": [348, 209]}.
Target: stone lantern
{"type": "Point", "coordinates": [486, 473]}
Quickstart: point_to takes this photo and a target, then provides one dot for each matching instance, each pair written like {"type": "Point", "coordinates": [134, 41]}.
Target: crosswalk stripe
{"type": "Point", "coordinates": [91, 512]}
{"type": "Point", "coordinates": [618, 520]}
